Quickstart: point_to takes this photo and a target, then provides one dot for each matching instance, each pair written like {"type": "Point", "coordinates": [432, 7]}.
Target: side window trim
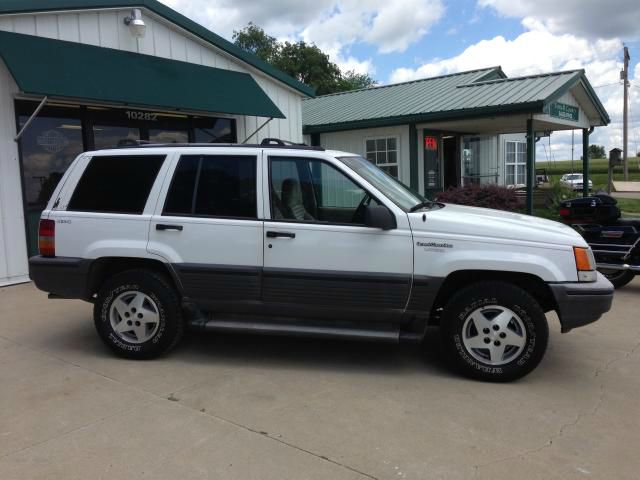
{"type": "Point", "coordinates": [271, 218]}
{"type": "Point", "coordinates": [201, 157]}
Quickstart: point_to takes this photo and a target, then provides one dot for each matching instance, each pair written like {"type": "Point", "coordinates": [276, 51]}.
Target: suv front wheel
{"type": "Point", "coordinates": [138, 315]}
{"type": "Point", "coordinates": [494, 331]}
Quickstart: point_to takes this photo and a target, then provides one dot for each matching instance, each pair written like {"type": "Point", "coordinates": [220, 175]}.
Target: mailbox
{"type": "Point", "coordinates": [615, 157]}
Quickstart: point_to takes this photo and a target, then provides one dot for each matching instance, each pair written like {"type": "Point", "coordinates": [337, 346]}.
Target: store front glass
{"type": "Point", "coordinates": [60, 133]}
{"type": "Point", "coordinates": [168, 136]}
{"type": "Point", "coordinates": [49, 146]}
{"type": "Point", "coordinates": [109, 136]}
{"type": "Point", "coordinates": [480, 160]}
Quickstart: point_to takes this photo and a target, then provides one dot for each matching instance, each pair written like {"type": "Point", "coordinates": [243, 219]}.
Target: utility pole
{"type": "Point", "coordinates": [624, 76]}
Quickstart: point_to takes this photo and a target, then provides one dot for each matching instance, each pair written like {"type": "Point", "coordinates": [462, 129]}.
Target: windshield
{"type": "Point", "coordinates": [394, 190]}
{"type": "Point", "coordinates": [575, 176]}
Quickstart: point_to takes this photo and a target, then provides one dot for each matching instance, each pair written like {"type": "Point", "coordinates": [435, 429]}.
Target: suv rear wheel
{"type": "Point", "coordinates": [494, 331]}
{"type": "Point", "coordinates": [137, 314]}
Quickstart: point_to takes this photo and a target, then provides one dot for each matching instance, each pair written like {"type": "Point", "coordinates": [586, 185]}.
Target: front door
{"type": "Point", "coordinates": [209, 229]}
{"type": "Point", "coordinates": [320, 260]}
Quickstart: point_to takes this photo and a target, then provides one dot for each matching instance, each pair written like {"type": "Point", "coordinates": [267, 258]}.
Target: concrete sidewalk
{"type": "Point", "coordinates": [233, 407]}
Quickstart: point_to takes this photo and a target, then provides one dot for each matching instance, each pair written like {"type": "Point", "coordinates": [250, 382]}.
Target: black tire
{"type": "Point", "coordinates": [167, 328]}
{"type": "Point", "coordinates": [529, 323]}
{"type": "Point", "coordinates": [619, 278]}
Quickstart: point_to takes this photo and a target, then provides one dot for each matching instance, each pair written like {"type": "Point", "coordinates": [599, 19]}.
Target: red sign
{"type": "Point", "coordinates": [430, 143]}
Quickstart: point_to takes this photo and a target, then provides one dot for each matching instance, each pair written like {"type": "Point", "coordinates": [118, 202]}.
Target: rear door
{"type": "Point", "coordinates": [320, 260]}
{"type": "Point", "coordinates": [207, 225]}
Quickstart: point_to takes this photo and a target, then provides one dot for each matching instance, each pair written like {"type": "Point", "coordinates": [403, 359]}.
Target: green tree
{"type": "Point", "coordinates": [254, 39]}
{"type": "Point", "coordinates": [310, 65]}
{"type": "Point", "coordinates": [596, 151]}
{"type": "Point", "coordinates": [301, 60]}
{"type": "Point", "coordinates": [353, 81]}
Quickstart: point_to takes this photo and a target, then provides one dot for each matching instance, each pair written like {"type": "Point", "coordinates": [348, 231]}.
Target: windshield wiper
{"type": "Point", "coordinates": [425, 204]}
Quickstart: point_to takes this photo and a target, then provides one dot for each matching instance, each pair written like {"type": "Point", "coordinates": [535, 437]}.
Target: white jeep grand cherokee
{"type": "Point", "coordinates": [277, 239]}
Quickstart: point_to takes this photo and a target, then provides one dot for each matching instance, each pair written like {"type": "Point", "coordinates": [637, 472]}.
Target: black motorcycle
{"type": "Point", "coordinates": [615, 241]}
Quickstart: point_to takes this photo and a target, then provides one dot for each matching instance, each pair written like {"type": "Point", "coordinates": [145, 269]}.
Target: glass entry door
{"type": "Point", "coordinates": [432, 164]}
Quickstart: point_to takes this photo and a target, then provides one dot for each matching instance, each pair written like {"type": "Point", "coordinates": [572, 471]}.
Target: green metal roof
{"type": "Point", "coordinates": [460, 95]}
{"type": "Point", "coordinates": [30, 6]}
{"type": "Point", "coordinates": [57, 68]}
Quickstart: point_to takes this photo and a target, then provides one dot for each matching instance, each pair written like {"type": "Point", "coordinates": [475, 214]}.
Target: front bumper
{"type": "Point", "coordinates": [582, 303]}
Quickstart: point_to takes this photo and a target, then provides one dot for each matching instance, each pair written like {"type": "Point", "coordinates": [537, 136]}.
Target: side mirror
{"type": "Point", "coordinates": [379, 216]}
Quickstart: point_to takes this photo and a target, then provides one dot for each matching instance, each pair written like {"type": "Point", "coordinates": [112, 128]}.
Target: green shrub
{"type": "Point", "coordinates": [558, 193]}
{"type": "Point", "coordinates": [487, 196]}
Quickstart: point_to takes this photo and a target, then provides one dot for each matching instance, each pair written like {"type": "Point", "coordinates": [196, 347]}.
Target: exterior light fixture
{"type": "Point", "coordinates": [135, 23]}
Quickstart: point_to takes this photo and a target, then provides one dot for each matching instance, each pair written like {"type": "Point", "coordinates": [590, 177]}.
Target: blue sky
{"type": "Point", "coordinates": [402, 40]}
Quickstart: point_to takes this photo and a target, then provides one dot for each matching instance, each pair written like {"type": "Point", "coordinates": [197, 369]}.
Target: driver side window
{"type": "Point", "coordinates": [309, 190]}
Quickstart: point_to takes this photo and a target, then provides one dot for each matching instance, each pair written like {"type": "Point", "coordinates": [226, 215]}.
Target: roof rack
{"type": "Point", "coordinates": [266, 143]}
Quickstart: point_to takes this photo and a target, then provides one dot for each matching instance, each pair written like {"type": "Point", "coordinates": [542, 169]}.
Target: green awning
{"type": "Point", "coordinates": [56, 68]}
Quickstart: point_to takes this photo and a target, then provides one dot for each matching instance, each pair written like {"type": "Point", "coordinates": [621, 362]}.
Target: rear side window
{"type": "Point", "coordinates": [116, 184]}
{"type": "Point", "coordinates": [213, 186]}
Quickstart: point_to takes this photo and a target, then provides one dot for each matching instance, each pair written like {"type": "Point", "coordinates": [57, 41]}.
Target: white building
{"type": "Point", "coordinates": [78, 75]}
{"type": "Point", "coordinates": [452, 130]}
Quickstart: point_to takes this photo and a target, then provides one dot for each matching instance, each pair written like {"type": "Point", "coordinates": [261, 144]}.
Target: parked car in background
{"type": "Point", "coordinates": [280, 239]}
{"type": "Point", "coordinates": [575, 181]}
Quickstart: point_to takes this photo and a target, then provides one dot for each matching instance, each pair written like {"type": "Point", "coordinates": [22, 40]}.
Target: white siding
{"type": "Point", "coordinates": [13, 244]}
{"type": "Point", "coordinates": [106, 28]}
{"type": "Point", "coordinates": [353, 141]}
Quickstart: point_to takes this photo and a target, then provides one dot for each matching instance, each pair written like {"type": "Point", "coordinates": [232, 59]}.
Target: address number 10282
{"type": "Point", "coordinates": [135, 115]}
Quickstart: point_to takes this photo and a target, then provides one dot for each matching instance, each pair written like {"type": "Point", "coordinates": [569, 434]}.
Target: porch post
{"type": "Point", "coordinates": [585, 161]}
{"type": "Point", "coordinates": [414, 182]}
{"type": "Point", "coordinates": [531, 164]}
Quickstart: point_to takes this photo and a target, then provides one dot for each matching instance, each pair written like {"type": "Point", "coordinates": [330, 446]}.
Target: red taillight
{"type": "Point", "coordinates": [47, 238]}
{"type": "Point", "coordinates": [565, 212]}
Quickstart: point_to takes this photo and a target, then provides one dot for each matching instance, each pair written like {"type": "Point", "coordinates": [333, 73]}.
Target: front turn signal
{"type": "Point", "coordinates": [583, 259]}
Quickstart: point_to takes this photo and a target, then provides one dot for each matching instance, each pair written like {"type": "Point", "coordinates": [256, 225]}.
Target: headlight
{"type": "Point", "coordinates": [585, 264]}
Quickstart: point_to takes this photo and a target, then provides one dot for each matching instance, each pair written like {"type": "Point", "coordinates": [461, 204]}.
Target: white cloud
{"type": "Point", "coordinates": [390, 26]}
{"type": "Point", "coordinates": [352, 64]}
{"type": "Point", "coordinates": [590, 19]}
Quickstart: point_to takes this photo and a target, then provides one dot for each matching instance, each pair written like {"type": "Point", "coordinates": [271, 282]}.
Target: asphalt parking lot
{"type": "Point", "coordinates": [234, 407]}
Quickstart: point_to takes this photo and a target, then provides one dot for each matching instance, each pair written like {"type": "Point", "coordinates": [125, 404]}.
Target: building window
{"type": "Point", "coordinates": [384, 153]}
{"type": "Point", "coordinates": [516, 163]}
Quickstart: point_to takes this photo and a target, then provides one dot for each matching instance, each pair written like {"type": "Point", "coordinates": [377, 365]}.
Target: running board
{"type": "Point", "coordinates": [266, 328]}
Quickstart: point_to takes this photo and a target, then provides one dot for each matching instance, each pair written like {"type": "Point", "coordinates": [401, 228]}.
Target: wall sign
{"type": "Point", "coordinates": [430, 143]}
{"type": "Point", "coordinates": [564, 111]}
{"type": "Point", "coordinates": [52, 141]}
